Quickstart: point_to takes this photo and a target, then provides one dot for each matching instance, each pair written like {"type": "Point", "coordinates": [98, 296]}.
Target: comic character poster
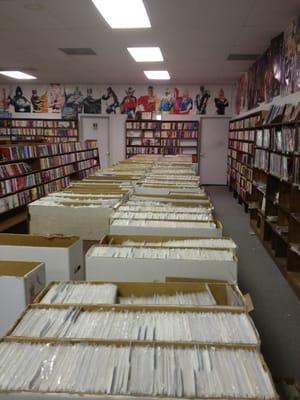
{"type": "Point", "coordinates": [275, 65]}
{"type": "Point", "coordinates": [129, 103]}
{"type": "Point", "coordinates": [239, 95]}
{"type": "Point", "coordinates": [251, 86]}
{"type": "Point", "coordinates": [73, 104]}
{"type": "Point", "coordinates": [289, 60]}
{"type": "Point", "coordinates": [297, 61]}
{"type": "Point", "coordinates": [260, 79]}
{"type": "Point", "coordinates": [90, 104]}
{"type": "Point", "coordinates": [202, 100]}
{"type": "Point", "coordinates": [221, 102]}
{"type": "Point", "coordinates": [166, 102]}
{"type": "Point", "coordinates": [56, 98]}
{"type": "Point", "coordinates": [182, 104]}
{"type": "Point", "coordinates": [4, 101]}
{"type": "Point", "coordinates": [19, 101]}
{"type": "Point", "coordinates": [39, 102]}
{"type": "Point", "coordinates": [148, 102]}
{"type": "Point", "coordinates": [112, 104]}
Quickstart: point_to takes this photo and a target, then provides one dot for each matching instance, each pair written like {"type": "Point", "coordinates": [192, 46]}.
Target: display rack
{"type": "Point", "coordinates": [39, 130]}
{"type": "Point", "coordinates": [274, 198]}
{"type": "Point", "coordinates": [31, 171]}
{"type": "Point", "coordinates": [162, 137]}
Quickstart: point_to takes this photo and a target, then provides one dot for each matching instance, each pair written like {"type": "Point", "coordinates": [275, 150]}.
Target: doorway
{"type": "Point", "coordinates": [214, 143]}
{"type": "Point", "coordinates": [97, 128]}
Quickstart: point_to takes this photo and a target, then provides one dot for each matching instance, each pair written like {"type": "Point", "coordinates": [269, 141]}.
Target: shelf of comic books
{"type": "Point", "coordinates": [31, 171]}
{"type": "Point", "coordinates": [264, 174]}
{"type": "Point", "coordinates": [38, 130]}
{"type": "Point", "coordinates": [162, 137]}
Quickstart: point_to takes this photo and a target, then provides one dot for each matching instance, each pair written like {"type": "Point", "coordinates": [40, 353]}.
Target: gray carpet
{"type": "Point", "coordinates": [277, 308]}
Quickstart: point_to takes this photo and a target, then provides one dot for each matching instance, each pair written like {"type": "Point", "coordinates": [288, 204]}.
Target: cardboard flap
{"type": "Point", "coordinates": [248, 302]}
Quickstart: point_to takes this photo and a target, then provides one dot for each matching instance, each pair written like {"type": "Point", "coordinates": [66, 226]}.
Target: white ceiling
{"type": "Point", "coordinates": [195, 36]}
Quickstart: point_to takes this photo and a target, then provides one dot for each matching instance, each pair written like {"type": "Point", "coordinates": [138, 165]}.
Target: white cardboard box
{"type": "Point", "coordinates": [89, 223]}
{"type": "Point", "coordinates": [166, 190]}
{"type": "Point", "coordinates": [148, 270]}
{"type": "Point", "coordinates": [20, 283]}
{"type": "Point", "coordinates": [63, 256]}
{"type": "Point", "coordinates": [179, 230]}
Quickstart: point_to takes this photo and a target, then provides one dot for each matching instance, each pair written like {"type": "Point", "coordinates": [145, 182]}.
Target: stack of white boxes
{"type": "Point", "coordinates": [158, 226]}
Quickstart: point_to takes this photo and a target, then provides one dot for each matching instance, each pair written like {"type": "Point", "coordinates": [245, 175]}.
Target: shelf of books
{"type": "Point", "coordinates": [274, 199]}
{"type": "Point", "coordinates": [31, 171]}
{"type": "Point", "coordinates": [38, 130]}
{"type": "Point", "coordinates": [162, 137]}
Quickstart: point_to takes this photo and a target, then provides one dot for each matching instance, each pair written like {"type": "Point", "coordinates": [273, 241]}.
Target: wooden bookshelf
{"type": "Point", "coordinates": [31, 171]}
{"type": "Point", "coordinates": [274, 199]}
{"type": "Point", "coordinates": [38, 130]}
{"type": "Point", "coordinates": [241, 156]}
{"type": "Point", "coordinates": [162, 137]}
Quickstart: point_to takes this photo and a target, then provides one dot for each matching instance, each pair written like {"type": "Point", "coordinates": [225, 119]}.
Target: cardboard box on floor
{"type": "Point", "coordinates": [72, 395]}
{"type": "Point", "coordinates": [144, 240]}
{"type": "Point", "coordinates": [165, 189]}
{"type": "Point", "coordinates": [170, 198]}
{"type": "Point", "coordinates": [227, 296]}
{"type": "Point", "coordinates": [62, 255]}
{"type": "Point", "coordinates": [20, 283]}
{"type": "Point", "coordinates": [88, 221]}
{"type": "Point", "coordinates": [129, 308]}
{"type": "Point", "coordinates": [150, 269]}
{"type": "Point", "coordinates": [179, 230]}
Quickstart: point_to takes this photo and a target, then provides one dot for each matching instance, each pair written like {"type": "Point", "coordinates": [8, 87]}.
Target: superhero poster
{"type": "Point", "coordinates": [129, 103]}
{"type": "Point", "coordinates": [290, 59]}
{"type": "Point", "coordinates": [241, 94]}
{"type": "Point", "coordinates": [148, 102]}
{"type": "Point", "coordinates": [251, 86]}
{"type": "Point", "coordinates": [4, 100]}
{"type": "Point", "coordinates": [90, 104]}
{"type": "Point", "coordinates": [275, 66]}
{"type": "Point", "coordinates": [19, 101]}
{"type": "Point", "coordinates": [296, 79]}
{"type": "Point", "coordinates": [73, 103]}
{"type": "Point", "coordinates": [260, 79]}
{"type": "Point", "coordinates": [182, 104]}
{"type": "Point", "coordinates": [39, 102]}
{"type": "Point", "coordinates": [56, 98]}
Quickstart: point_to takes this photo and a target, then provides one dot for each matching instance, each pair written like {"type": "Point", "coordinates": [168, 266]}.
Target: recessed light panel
{"type": "Point", "coordinates": [146, 54]}
{"type": "Point", "coordinates": [123, 14]}
{"type": "Point", "coordinates": [17, 75]}
{"type": "Point", "coordinates": [157, 74]}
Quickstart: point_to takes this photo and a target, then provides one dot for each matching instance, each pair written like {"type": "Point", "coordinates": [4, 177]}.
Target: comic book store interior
{"type": "Point", "coordinates": [149, 199]}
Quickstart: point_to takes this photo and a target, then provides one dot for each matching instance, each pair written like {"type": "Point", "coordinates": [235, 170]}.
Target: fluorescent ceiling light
{"type": "Point", "coordinates": [146, 54]}
{"type": "Point", "coordinates": [123, 14]}
{"type": "Point", "coordinates": [157, 74]}
{"type": "Point", "coordinates": [17, 75]}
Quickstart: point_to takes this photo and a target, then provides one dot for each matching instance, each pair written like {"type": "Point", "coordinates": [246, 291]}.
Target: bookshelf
{"type": "Point", "coordinates": [31, 171]}
{"type": "Point", "coordinates": [162, 137]}
{"type": "Point", "coordinates": [274, 199]}
{"type": "Point", "coordinates": [38, 130]}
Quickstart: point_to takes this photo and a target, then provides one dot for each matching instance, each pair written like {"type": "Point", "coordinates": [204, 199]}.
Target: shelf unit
{"type": "Point", "coordinates": [241, 157]}
{"type": "Point", "coordinates": [31, 171]}
{"type": "Point", "coordinates": [38, 130]}
{"type": "Point", "coordinates": [274, 199]}
{"type": "Point", "coordinates": [162, 137]}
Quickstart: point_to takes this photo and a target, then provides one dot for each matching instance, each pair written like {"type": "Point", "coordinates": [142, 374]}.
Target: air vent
{"type": "Point", "coordinates": [77, 51]}
{"type": "Point", "coordinates": [242, 57]}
